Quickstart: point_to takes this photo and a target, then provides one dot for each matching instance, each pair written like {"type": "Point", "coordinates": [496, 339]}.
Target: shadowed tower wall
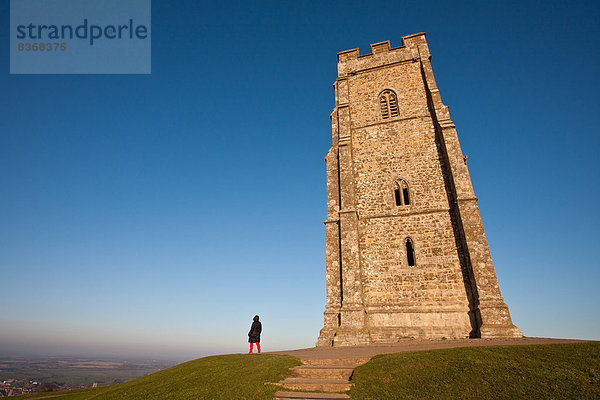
{"type": "Point", "coordinates": [406, 254]}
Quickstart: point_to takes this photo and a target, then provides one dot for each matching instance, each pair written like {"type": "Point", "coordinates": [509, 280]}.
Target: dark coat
{"type": "Point", "coordinates": [255, 330]}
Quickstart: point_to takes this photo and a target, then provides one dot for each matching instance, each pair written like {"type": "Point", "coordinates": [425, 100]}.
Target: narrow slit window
{"type": "Point", "coordinates": [401, 193]}
{"type": "Point", "coordinates": [385, 111]}
{"type": "Point", "coordinates": [405, 196]}
{"type": "Point", "coordinates": [410, 252]}
{"type": "Point", "coordinates": [398, 197]}
{"type": "Point", "coordinates": [388, 103]}
{"type": "Point", "coordinates": [393, 106]}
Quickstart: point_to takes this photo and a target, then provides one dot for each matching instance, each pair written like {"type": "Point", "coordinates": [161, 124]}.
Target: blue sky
{"type": "Point", "coordinates": [154, 215]}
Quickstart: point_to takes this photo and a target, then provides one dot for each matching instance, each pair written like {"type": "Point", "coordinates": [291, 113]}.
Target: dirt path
{"type": "Point", "coordinates": [412, 345]}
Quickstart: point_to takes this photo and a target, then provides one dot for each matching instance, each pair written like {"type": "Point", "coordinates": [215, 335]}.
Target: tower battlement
{"type": "Point", "coordinates": [414, 47]}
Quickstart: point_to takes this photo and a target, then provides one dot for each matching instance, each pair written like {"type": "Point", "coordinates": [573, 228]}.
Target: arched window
{"type": "Point", "coordinates": [410, 252]}
{"type": "Point", "coordinates": [388, 103]}
{"type": "Point", "coordinates": [401, 193]}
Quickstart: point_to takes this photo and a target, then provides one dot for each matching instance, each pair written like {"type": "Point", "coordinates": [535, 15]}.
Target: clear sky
{"type": "Point", "coordinates": [155, 215]}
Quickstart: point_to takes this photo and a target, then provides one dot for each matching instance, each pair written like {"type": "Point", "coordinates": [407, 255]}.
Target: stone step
{"type": "Point", "coordinates": [309, 396]}
{"type": "Point", "coordinates": [322, 372]}
{"type": "Point", "coordinates": [308, 384]}
{"type": "Point", "coordinates": [345, 362]}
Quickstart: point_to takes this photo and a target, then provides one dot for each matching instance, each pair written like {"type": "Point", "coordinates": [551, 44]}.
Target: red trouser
{"type": "Point", "coordinates": [257, 346]}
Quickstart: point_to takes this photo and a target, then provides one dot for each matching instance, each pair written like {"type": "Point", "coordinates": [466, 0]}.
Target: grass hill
{"type": "Point", "coordinates": [549, 371]}
{"type": "Point", "coordinates": [235, 376]}
{"type": "Point", "coordinates": [556, 371]}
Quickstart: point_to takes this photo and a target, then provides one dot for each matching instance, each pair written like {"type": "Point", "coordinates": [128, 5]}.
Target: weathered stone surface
{"type": "Point", "coordinates": [373, 294]}
{"type": "Point", "coordinates": [322, 372]}
{"type": "Point", "coordinates": [309, 396]}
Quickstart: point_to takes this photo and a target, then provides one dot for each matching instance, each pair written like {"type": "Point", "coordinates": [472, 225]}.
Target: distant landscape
{"type": "Point", "coordinates": [30, 375]}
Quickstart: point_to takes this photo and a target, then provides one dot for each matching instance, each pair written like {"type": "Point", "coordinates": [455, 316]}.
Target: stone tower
{"type": "Point", "coordinates": [406, 254]}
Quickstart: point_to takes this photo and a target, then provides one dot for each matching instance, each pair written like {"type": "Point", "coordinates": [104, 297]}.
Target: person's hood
{"type": "Point", "coordinates": [256, 318]}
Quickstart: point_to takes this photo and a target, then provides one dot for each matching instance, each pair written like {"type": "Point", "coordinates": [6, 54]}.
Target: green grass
{"type": "Point", "coordinates": [227, 377]}
{"type": "Point", "coordinates": [555, 371]}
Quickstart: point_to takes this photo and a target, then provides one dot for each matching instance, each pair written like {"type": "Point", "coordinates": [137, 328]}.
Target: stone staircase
{"type": "Point", "coordinates": [314, 376]}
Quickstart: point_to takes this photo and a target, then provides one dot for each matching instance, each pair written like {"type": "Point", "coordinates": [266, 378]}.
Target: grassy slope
{"type": "Point", "coordinates": [561, 371]}
{"type": "Point", "coordinates": [228, 377]}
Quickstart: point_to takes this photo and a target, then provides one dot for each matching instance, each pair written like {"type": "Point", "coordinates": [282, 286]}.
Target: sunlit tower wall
{"type": "Point", "coordinates": [406, 253]}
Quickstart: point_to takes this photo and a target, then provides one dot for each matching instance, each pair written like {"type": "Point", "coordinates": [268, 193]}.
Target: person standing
{"type": "Point", "coordinates": [254, 334]}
